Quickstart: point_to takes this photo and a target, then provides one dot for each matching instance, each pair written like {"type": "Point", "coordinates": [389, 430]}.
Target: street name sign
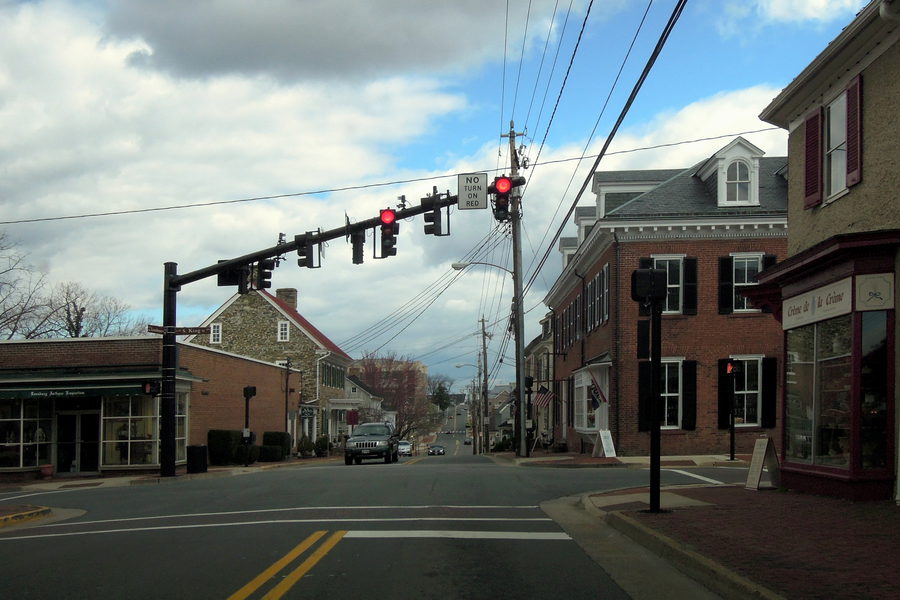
{"type": "Point", "coordinates": [179, 330]}
{"type": "Point", "coordinates": [472, 191]}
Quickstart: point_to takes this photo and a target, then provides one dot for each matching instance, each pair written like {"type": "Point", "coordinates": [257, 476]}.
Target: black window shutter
{"type": "Point", "coordinates": [643, 339]}
{"type": "Point", "coordinates": [726, 394]}
{"type": "Point", "coordinates": [689, 306]}
{"type": "Point", "coordinates": [645, 263]}
{"type": "Point", "coordinates": [726, 285]}
{"type": "Point", "coordinates": [644, 385]}
{"type": "Point", "coordinates": [689, 395]}
{"type": "Point", "coordinates": [768, 261]}
{"type": "Point", "coordinates": [769, 392]}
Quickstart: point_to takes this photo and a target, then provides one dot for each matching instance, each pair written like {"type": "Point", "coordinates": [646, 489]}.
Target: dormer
{"type": "Point", "coordinates": [733, 174]}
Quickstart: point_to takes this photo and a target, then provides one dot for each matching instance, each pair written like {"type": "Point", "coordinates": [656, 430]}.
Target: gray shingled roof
{"type": "Point", "coordinates": [643, 176]}
{"type": "Point", "coordinates": [686, 195]}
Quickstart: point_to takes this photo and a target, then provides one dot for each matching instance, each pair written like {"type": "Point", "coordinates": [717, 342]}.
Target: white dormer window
{"type": "Point", "coordinates": [737, 183]}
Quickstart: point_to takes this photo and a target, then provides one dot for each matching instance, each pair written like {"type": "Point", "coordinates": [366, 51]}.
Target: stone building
{"type": "Point", "coordinates": [269, 328]}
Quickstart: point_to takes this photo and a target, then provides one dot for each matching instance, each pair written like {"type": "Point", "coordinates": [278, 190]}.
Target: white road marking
{"type": "Point", "coordinates": [296, 508]}
{"type": "Point", "coordinates": [268, 522]}
{"type": "Point", "coordinates": [695, 476]}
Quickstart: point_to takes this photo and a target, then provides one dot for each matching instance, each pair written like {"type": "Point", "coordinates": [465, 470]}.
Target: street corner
{"type": "Point", "coordinates": [15, 514]}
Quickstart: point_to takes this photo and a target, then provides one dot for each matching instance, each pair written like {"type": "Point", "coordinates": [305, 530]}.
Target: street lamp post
{"type": "Point", "coordinates": [519, 321]}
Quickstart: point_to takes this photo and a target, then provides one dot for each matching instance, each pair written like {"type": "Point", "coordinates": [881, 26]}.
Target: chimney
{"type": "Point", "coordinates": [288, 296]}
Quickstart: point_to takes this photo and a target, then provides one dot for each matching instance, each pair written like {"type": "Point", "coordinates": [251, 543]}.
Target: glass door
{"type": "Point", "coordinates": [77, 442]}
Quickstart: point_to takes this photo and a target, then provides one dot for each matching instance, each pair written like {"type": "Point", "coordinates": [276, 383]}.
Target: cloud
{"type": "Point", "coordinates": [317, 39]}
{"type": "Point", "coordinates": [739, 18]}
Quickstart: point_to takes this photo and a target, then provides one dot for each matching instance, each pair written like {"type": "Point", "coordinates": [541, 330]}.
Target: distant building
{"type": "Point", "coordinates": [270, 328]}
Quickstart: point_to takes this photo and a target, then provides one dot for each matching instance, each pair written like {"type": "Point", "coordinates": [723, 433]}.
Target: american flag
{"type": "Point", "coordinates": [597, 395]}
{"type": "Point", "coordinates": [542, 398]}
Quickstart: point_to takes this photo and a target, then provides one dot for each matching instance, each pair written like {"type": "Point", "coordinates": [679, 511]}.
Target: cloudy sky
{"type": "Point", "coordinates": [139, 132]}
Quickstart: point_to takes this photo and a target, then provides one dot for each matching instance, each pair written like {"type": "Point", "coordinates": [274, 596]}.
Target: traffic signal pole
{"type": "Point", "coordinates": [172, 283]}
{"type": "Point", "coordinates": [519, 316]}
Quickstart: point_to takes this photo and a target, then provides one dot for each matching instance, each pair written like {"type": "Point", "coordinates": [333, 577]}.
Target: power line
{"type": "Point", "coordinates": [368, 185]}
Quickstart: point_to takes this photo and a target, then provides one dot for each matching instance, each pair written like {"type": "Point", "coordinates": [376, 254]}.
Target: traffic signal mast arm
{"type": "Point", "coordinates": [316, 237]}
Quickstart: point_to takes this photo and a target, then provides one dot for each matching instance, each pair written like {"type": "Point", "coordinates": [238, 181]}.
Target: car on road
{"type": "Point", "coordinates": [467, 441]}
{"type": "Point", "coordinates": [404, 448]}
{"type": "Point", "coordinates": [435, 450]}
{"type": "Point", "coordinates": [372, 440]}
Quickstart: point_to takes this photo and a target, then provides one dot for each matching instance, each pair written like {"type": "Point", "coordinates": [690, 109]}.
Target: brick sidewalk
{"type": "Point", "coordinates": [797, 545]}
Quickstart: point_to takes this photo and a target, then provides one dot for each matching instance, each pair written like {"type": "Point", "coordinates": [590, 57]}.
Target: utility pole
{"type": "Point", "coordinates": [483, 432]}
{"type": "Point", "coordinates": [518, 301]}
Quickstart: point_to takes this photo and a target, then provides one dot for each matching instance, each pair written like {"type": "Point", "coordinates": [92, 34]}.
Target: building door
{"type": "Point", "coordinates": [77, 442]}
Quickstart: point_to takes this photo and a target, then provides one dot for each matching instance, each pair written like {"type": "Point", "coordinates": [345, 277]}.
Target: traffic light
{"type": "Point", "coordinates": [358, 239]}
{"type": "Point", "coordinates": [733, 367]}
{"type": "Point", "coordinates": [264, 273]}
{"type": "Point", "coordinates": [433, 222]}
{"type": "Point", "coordinates": [306, 251]}
{"type": "Point", "coordinates": [501, 189]}
{"type": "Point", "coordinates": [238, 276]}
{"type": "Point", "coordinates": [150, 388]}
{"type": "Point", "coordinates": [389, 230]}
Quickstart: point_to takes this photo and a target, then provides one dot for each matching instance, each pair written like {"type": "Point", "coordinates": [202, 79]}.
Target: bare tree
{"type": "Point", "coordinates": [401, 384]}
{"type": "Point", "coordinates": [23, 309]}
{"type": "Point", "coordinates": [78, 312]}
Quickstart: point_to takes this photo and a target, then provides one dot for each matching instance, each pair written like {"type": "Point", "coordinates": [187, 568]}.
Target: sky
{"type": "Point", "coordinates": [139, 132]}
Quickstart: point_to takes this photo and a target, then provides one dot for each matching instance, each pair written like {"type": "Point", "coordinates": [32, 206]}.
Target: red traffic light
{"type": "Point", "coordinates": [502, 185]}
{"type": "Point", "coordinates": [388, 216]}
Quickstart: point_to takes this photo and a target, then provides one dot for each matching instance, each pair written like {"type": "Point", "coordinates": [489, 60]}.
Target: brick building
{"type": "Point", "coordinates": [711, 227]}
{"type": "Point", "coordinates": [270, 328]}
{"type": "Point", "coordinates": [88, 405]}
{"type": "Point", "coordinates": [835, 295]}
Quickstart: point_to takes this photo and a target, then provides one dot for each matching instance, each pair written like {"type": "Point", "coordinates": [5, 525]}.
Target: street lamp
{"type": "Point", "coordinates": [519, 319]}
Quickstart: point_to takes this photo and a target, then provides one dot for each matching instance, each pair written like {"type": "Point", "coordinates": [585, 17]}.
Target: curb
{"type": "Point", "coordinates": [713, 575]}
{"type": "Point", "coordinates": [27, 513]}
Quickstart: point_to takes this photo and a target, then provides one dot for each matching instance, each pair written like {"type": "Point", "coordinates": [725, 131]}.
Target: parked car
{"type": "Point", "coordinates": [467, 441]}
{"type": "Point", "coordinates": [435, 450]}
{"type": "Point", "coordinates": [372, 440]}
{"type": "Point", "coordinates": [404, 448]}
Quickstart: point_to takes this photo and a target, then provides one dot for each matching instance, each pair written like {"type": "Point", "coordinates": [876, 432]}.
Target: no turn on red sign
{"type": "Point", "coordinates": [472, 191]}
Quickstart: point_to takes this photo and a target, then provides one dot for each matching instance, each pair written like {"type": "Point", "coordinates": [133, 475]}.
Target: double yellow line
{"type": "Point", "coordinates": [294, 576]}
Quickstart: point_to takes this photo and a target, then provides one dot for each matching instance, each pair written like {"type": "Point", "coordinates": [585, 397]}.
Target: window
{"type": "Point", "coordinates": [215, 333]}
{"type": "Point", "coordinates": [130, 430]}
{"type": "Point", "coordinates": [833, 146]}
{"type": "Point", "coordinates": [25, 431]}
{"type": "Point", "coordinates": [747, 397]}
{"type": "Point", "coordinates": [678, 392]}
{"type": "Point", "coordinates": [681, 280]}
{"type": "Point", "coordinates": [736, 274]}
{"type": "Point", "coordinates": [604, 292]}
{"type": "Point", "coordinates": [737, 183]}
{"type": "Point", "coordinates": [818, 393]}
{"type": "Point", "coordinates": [836, 146]}
{"type": "Point", "coordinates": [284, 331]}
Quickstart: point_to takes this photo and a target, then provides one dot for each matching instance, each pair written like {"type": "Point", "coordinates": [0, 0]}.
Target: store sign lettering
{"type": "Point", "coordinates": [57, 394]}
{"type": "Point", "coordinates": [823, 303]}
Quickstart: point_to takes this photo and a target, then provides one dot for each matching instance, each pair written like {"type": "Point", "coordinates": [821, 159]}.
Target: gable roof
{"type": "Point", "coordinates": [291, 313]}
{"type": "Point", "coordinates": [362, 385]}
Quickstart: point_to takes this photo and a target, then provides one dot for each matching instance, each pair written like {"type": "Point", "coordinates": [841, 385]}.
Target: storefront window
{"type": "Point", "coordinates": [25, 428]}
{"type": "Point", "coordinates": [873, 390]}
{"type": "Point", "coordinates": [818, 393]}
{"type": "Point", "coordinates": [181, 408]}
{"type": "Point", "coordinates": [130, 431]}
{"type": "Point", "coordinates": [833, 373]}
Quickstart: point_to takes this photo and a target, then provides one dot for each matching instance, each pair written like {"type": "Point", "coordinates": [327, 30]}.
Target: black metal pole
{"type": "Point", "coordinates": [655, 417]}
{"type": "Point", "coordinates": [169, 366]}
{"type": "Point", "coordinates": [730, 380]}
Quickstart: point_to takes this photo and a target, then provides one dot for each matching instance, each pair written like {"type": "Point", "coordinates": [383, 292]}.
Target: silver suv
{"type": "Point", "coordinates": [372, 440]}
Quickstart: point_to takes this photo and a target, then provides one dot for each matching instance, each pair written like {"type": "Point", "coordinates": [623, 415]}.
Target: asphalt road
{"type": "Point", "coordinates": [453, 526]}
